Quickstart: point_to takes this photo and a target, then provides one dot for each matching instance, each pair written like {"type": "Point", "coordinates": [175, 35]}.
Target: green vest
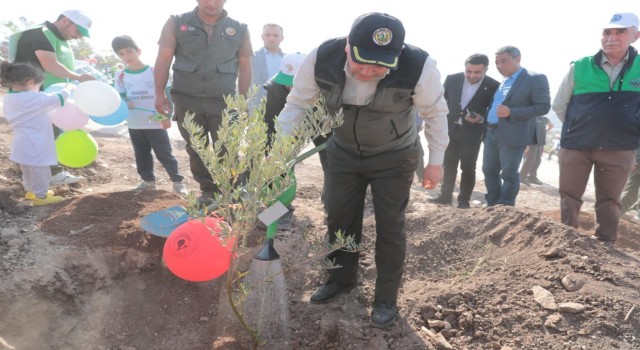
{"type": "Point", "coordinates": [601, 116]}
{"type": "Point", "coordinates": [204, 68]}
{"type": "Point", "coordinates": [590, 78]}
{"type": "Point", "coordinates": [64, 54]}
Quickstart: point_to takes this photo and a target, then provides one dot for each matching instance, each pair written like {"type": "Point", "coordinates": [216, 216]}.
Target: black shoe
{"type": "Point", "coordinates": [284, 223]}
{"type": "Point", "coordinates": [463, 205]}
{"type": "Point", "coordinates": [525, 181]}
{"type": "Point", "coordinates": [440, 200]}
{"type": "Point", "coordinates": [205, 199]}
{"type": "Point", "coordinates": [383, 314]}
{"type": "Point", "coordinates": [534, 180]}
{"type": "Point", "coordinates": [329, 291]}
{"type": "Point", "coordinates": [607, 243]}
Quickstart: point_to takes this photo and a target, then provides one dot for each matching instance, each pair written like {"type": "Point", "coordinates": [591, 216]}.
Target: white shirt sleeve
{"type": "Point", "coordinates": [563, 96]}
{"type": "Point", "coordinates": [303, 96]}
{"type": "Point", "coordinates": [432, 107]}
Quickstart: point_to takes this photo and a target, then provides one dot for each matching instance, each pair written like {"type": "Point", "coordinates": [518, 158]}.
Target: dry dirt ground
{"type": "Point", "coordinates": [82, 274]}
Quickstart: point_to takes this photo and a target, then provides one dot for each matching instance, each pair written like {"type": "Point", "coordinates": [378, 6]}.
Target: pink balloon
{"type": "Point", "coordinates": [69, 116]}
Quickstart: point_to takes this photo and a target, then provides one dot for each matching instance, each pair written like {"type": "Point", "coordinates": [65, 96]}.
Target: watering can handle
{"type": "Point", "coordinates": [311, 152]}
{"type": "Point", "coordinates": [272, 228]}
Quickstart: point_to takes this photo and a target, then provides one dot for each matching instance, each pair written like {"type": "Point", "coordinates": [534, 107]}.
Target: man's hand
{"type": "Point", "coordinates": [474, 118]}
{"type": "Point", "coordinates": [162, 104]}
{"type": "Point", "coordinates": [503, 111]}
{"type": "Point", "coordinates": [85, 77]}
{"type": "Point", "coordinates": [431, 176]}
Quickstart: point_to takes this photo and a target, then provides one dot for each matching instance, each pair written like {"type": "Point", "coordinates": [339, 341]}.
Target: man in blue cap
{"type": "Point", "coordinates": [379, 82]}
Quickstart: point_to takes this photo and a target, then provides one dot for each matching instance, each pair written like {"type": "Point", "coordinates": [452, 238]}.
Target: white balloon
{"type": "Point", "coordinates": [96, 98]}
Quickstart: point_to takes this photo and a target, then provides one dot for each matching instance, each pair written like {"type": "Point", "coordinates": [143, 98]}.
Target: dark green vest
{"type": "Point", "coordinates": [600, 116]}
{"type": "Point", "coordinates": [388, 121]}
{"type": "Point", "coordinates": [202, 68]}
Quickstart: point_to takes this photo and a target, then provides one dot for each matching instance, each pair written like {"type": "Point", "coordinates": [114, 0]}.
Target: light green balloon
{"type": "Point", "coordinates": [76, 148]}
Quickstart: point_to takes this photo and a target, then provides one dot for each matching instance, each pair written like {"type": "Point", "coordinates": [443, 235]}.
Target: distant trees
{"type": "Point", "coordinates": [81, 48]}
{"type": "Point", "coordinates": [22, 24]}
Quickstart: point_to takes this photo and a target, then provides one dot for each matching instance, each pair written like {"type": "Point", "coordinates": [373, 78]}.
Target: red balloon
{"type": "Point", "coordinates": [195, 253]}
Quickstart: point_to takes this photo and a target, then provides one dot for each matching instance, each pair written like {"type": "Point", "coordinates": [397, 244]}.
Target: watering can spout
{"type": "Point", "coordinates": [268, 252]}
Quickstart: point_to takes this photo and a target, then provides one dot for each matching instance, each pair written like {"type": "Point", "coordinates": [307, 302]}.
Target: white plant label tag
{"type": "Point", "coordinates": [273, 213]}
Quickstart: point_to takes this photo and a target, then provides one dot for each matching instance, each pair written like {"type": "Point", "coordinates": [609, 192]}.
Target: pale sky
{"type": "Point", "coordinates": [549, 33]}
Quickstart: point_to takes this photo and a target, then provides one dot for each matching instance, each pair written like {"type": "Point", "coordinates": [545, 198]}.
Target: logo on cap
{"type": "Point", "coordinates": [382, 36]}
{"type": "Point", "coordinates": [616, 18]}
{"type": "Point", "coordinates": [288, 68]}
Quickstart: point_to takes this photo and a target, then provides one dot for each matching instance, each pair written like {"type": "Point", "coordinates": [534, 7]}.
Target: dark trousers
{"type": "Point", "coordinates": [322, 154]}
{"type": "Point", "coordinates": [630, 195]}
{"type": "Point", "coordinates": [208, 114]}
{"type": "Point", "coordinates": [531, 161]}
{"type": "Point", "coordinates": [390, 176]}
{"type": "Point", "coordinates": [146, 140]}
{"type": "Point", "coordinates": [611, 170]}
{"type": "Point", "coordinates": [323, 161]}
{"type": "Point", "coordinates": [500, 166]}
{"type": "Point", "coordinates": [463, 149]}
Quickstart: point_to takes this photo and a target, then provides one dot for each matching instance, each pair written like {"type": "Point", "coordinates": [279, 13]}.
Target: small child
{"type": "Point", "coordinates": [33, 146]}
{"type": "Point", "coordinates": [148, 132]}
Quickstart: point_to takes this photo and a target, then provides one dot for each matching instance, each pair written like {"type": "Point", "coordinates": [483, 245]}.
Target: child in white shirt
{"type": "Point", "coordinates": [33, 146]}
{"type": "Point", "coordinates": [135, 84]}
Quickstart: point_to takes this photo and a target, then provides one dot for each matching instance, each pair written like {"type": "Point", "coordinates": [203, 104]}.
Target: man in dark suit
{"type": "Point", "coordinates": [468, 96]}
{"type": "Point", "coordinates": [511, 124]}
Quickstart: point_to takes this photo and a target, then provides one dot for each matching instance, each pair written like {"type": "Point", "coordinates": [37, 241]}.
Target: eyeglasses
{"type": "Point", "coordinates": [504, 60]}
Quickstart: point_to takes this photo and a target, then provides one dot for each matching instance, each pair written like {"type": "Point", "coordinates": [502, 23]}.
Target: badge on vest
{"type": "Point", "coordinates": [186, 28]}
{"type": "Point", "coordinates": [230, 31]}
{"type": "Point", "coordinates": [635, 82]}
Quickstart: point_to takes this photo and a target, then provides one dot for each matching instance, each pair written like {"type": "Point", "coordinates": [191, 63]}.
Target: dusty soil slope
{"type": "Point", "coordinates": [82, 274]}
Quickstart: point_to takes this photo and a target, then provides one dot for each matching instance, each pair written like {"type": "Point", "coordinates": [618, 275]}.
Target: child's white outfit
{"type": "Point", "coordinates": [147, 134]}
{"type": "Point", "coordinates": [33, 144]}
{"type": "Point", "coordinates": [137, 87]}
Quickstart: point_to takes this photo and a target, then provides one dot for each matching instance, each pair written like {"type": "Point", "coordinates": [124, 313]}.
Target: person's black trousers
{"type": "Point", "coordinates": [390, 176]}
{"type": "Point", "coordinates": [208, 114]}
{"type": "Point", "coordinates": [463, 149]}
